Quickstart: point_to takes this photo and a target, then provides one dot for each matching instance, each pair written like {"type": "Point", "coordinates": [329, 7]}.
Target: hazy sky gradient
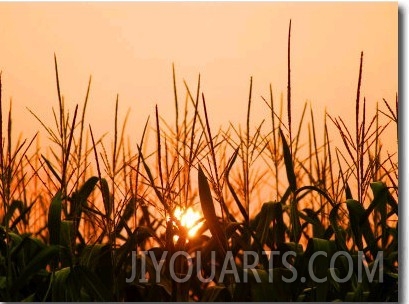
{"type": "Point", "coordinates": [129, 49]}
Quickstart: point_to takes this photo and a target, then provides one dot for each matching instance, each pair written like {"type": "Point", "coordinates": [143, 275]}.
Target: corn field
{"type": "Point", "coordinates": [282, 213]}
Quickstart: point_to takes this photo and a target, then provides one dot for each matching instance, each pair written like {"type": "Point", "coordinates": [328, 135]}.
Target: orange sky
{"type": "Point", "coordinates": [129, 49]}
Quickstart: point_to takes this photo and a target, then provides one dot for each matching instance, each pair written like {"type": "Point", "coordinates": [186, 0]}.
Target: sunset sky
{"type": "Point", "coordinates": [129, 48]}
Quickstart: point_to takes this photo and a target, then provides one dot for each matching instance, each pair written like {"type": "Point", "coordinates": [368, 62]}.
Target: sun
{"type": "Point", "coordinates": [189, 219]}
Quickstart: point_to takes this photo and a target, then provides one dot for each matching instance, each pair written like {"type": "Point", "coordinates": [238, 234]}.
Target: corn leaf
{"type": "Point", "coordinates": [86, 189]}
{"type": "Point", "coordinates": [360, 226]}
{"type": "Point", "coordinates": [321, 264]}
{"type": "Point", "coordinates": [106, 197]}
{"type": "Point", "coordinates": [209, 212]}
{"type": "Point", "coordinates": [38, 262]}
{"type": "Point", "coordinates": [288, 161]}
{"type": "Point", "coordinates": [54, 219]}
{"type": "Point", "coordinates": [216, 294]}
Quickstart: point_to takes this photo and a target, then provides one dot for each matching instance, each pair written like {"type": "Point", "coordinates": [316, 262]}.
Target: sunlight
{"type": "Point", "coordinates": [189, 219]}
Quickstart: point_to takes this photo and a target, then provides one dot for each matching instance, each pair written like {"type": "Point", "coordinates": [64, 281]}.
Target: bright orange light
{"type": "Point", "coordinates": [189, 219]}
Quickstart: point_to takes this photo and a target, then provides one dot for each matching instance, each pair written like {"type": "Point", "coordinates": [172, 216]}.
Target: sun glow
{"type": "Point", "coordinates": [189, 219]}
